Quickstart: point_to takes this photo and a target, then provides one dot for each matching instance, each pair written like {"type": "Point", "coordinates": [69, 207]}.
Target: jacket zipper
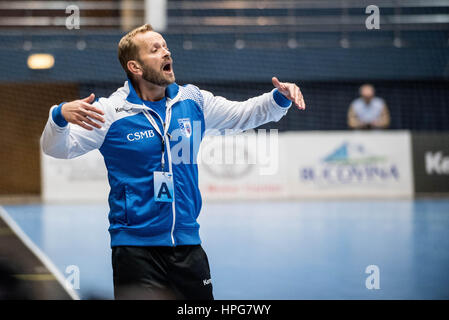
{"type": "Point", "coordinates": [170, 169]}
{"type": "Point", "coordinates": [173, 202]}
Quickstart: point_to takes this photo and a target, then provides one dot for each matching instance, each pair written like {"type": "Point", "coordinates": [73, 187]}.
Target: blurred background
{"type": "Point", "coordinates": [348, 193]}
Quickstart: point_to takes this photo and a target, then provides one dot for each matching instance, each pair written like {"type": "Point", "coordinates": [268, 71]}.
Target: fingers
{"type": "Point", "coordinates": [89, 99]}
{"type": "Point", "coordinates": [90, 107]}
{"type": "Point", "coordinates": [290, 91]}
{"type": "Point", "coordinates": [293, 93]}
{"type": "Point", "coordinates": [86, 122]}
{"type": "Point", "coordinates": [92, 123]}
{"type": "Point", "coordinates": [299, 99]}
{"type": "Point", "coordinates": [92, 114]}
{"type": "Point", "coordinates": [297, 96]}
{"type": "Point", "coordinates": [277, 83]}
{"type": "Point", "coordinates": [85, 116]}
{"type": "Point", "coordinates": [82, 124]}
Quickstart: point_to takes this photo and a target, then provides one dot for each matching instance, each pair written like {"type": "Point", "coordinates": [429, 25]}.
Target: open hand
{"type": "Point", "coordinates": [291, 92]}
{"type": "Point", "coordinates": [81, 112]}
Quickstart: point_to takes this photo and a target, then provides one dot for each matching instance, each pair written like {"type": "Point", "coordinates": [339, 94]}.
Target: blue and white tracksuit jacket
{"type": "Point", "coordinates": [132, 151]}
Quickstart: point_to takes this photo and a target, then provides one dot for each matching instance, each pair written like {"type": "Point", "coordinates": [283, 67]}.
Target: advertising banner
{"type": "Point", "coordinates": [317, 165]}
{"type": "Point", "coordinates": [431, 162]}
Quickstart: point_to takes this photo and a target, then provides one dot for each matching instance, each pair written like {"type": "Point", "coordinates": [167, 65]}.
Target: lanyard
{"type": "Point", "coordinates": [165, 124]}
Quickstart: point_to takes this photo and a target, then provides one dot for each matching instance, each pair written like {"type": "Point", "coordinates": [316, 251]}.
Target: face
{"type": "Point", "coordinates": [155, 59]}
{"type": "Point", "coordinates": [367, 92]}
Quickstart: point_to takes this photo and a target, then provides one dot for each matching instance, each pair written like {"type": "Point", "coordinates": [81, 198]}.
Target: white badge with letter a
{"type": "Point", "coordinates": [163, 186]}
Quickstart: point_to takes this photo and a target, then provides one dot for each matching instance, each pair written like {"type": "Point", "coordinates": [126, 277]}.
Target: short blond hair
{"type": "Point", "coordinates": [127, 48]}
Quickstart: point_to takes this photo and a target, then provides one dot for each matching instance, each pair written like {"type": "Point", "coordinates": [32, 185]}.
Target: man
{"type": "Point", "coordinates": [154, 198]}
{"type": "Point", "coordinates": [368, 111]}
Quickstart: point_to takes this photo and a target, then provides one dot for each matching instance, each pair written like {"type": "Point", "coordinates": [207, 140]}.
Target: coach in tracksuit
{"type": "Point", "coordinates": [148, 132]}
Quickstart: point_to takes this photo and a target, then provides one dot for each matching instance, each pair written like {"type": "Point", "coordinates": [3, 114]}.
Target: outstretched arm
{"type": "Point", "coordinates": [221, 114]}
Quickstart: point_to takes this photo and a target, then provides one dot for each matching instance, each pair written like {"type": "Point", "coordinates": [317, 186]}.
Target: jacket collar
{"type": "Point", "coordinates": [170, 93]}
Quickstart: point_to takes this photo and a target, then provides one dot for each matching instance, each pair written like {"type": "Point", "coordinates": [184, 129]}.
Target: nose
{"type": "Point", "coordinates": [167, 52]}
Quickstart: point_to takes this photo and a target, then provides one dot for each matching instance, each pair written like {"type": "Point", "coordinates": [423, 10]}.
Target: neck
{"type": "Point", "coordinates": [148, 91]}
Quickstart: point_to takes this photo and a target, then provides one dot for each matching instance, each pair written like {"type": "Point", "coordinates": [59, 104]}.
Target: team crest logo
{"type": "Point", "coordinates": [186, 128]}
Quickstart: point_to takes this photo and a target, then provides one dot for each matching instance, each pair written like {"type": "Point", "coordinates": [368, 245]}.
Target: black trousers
{"type": "Point", "coordinates": [180, 272]}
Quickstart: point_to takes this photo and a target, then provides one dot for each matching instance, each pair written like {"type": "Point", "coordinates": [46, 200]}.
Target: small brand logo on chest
{"type": "Point", "coordinates": [185, 126]}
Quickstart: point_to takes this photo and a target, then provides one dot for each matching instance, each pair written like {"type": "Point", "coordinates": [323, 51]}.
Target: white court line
{"type": "Point", "coordinates": [37, 252]}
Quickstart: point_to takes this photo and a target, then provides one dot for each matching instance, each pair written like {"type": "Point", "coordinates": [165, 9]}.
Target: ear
{"type": "Point", "coordinates": [134, 67]}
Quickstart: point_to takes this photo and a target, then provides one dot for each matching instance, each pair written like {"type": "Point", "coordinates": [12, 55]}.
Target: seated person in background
{"type": "Point", "coordinates": [368, 111]}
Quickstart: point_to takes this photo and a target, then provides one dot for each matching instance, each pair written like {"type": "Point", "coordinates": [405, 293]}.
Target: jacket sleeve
{"type": "Point", "coordinates": [221, 114]}
{"type": "Point", "coordinates": [67, 140]}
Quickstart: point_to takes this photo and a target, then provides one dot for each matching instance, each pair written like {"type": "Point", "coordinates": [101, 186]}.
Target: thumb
{"type": "Point", "coordinates": [89, 99]}
{"type": "Point", "coordinates": [276, 82]}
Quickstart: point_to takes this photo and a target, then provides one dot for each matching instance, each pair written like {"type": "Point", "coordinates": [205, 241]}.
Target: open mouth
{"type": "Point", "coordinates": [167, 67]}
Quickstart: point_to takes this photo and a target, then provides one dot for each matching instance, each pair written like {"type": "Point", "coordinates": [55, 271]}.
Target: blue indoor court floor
{"type": "Point", "coordinates": [275, 250]}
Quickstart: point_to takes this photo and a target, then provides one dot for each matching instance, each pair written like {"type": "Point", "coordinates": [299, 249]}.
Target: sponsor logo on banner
{"type": "Point", "coordinates": [229, 170]}
{"type": "Point", "coordinates": [351, 164]}
{"type": "Point", "coordinates": [431, 162]}
{"type": "Point", "coordinates": [437, 163]}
